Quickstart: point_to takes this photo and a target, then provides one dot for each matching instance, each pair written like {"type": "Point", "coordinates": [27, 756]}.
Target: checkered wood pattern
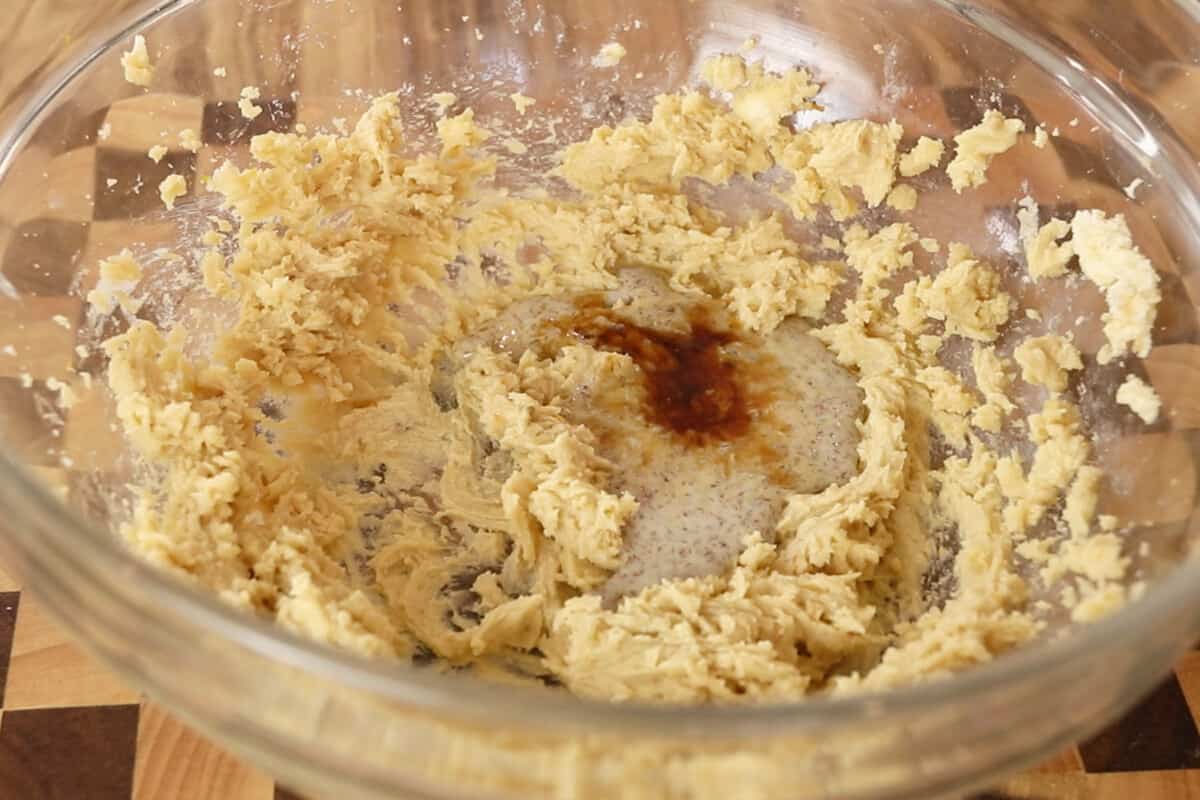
{"type": "Point", "coordinates": [70, 730]}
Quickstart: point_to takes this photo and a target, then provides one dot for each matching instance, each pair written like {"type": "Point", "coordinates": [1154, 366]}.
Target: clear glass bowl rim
{"type": "Point", "coordinates": [96, 553]}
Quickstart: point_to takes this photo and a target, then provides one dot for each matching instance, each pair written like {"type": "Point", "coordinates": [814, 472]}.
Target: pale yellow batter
{"type": "Point", "coordinates": [617, 441]}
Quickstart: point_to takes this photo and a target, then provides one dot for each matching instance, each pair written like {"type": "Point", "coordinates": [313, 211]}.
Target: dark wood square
{"type": "Point", "coordinates": [43, 256]}
{"type": "Point", "coordinates": [1081, 160]}
{"type": "Point", "coordinates": [69, 127]}
{"type": "Point", "coordinates": [225, 125]}
{"type": "Point", "coordinates": [9, 601]}
{"type": "Point", "coordinates": [966, 105]}
{"type": "Point", "coordinates": [1158, 734]}
{"type": "Point", "coordinates": [68, 753]}
{"type": "Point", "coordinates": [31, 415]}
{"type": "Point", "coordinates": [136, 192]}
{"type": "Point", "coordinates": [1176, 321]}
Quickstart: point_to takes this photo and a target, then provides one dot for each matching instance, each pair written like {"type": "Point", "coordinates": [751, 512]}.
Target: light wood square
{"type": "Point", "coordinates": [174, 761]}
{"type": "Point", "coordinates": [49, 670]}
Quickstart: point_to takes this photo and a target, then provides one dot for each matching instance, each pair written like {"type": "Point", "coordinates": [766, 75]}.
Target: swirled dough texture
{"type": "Point", "coordinates": [437, 427]}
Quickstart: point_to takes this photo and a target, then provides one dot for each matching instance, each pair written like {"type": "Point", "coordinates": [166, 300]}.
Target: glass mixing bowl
{"type": "Point", "coordinates": [1121, 81]}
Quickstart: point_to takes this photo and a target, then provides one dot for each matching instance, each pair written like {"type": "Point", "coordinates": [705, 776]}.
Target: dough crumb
{"type": "Point", "coordinates": [443, 101]}
{"type": "Point", "coordinates": [977, 146]}
{"type": "Point", "coordinates": [761, 98]}
{"type": "Point", "coordinates": [157, 153]}
{"type": "Point", "coordinates": [66, 395]}
{"type": "Point", "coordinates": [952, 403]}
{"type": "Point", "coordinates": [924, 155]}
{"type": "Point", "coordinates": [858, 153]}
{"type": "Point", "coordinates": [121, 268]}
{"type": "Point", "coordinates": [247, 105]}
{"type": "Point", "coordinates": [609, 56]}
{"type": "Point", "coordinates": [171, 189]}
{"type": "Point", "coordinates": [724, 72]}
{"type": "Point", "coordinates": [220, 72]}
{"type": "Point", "coordinates": [1040, 138]}
{"type": "Point", "coordinates": [1109, 259]}
{"type": "Point", "coordinates": [190, 140]}
{"type": "Point", "coordinates": [1044, 256]}
{"type": "Point", "coordinates": [136, 63]}
{"type": "Point", "coordinates": [1061, 450]}
{"type": "Point", "coordinates": [521, 102]}
{"type": "Point", "coordinates": [118, 274]}
{"type": "Point", "coordinates": [993, 376]}
{"type": "Point", "coordinates": [1141, 398]}
{"type": "Point", "coordinates": [966, 296]}
{"type": "Point", "coordinates": [1132, 188]}
{"type": "Point", "coordinates": [902, 198]}
{"type": "Point", "coordinates": [1045, 361]}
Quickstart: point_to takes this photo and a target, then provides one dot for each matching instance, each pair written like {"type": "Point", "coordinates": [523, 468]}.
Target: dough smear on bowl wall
{"type": "Point", "coordinates": [605, 435]}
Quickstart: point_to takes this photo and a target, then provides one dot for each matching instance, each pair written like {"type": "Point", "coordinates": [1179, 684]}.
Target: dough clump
{"type": "Point", "coordinates": [1141, 398]}
{"type": "Point", "coordinates": [1109, 259]}
{"type": "Point", "coordinates": [136, 63]}
{"type": "Point", "coordinates": [1046, 360]}
{"type": "Point", "coordinates": [924, 155]}
{"type": "Point", "coordinates": [1045, 256]}
{"type": "Point", "coordinates": [976, 147]}
{"type": "Point", "coordinates": [171, 189]}
{"type": "Point", "coordinates": [609, 56]}
{"type": "Point", "coordinates": [246, 105]}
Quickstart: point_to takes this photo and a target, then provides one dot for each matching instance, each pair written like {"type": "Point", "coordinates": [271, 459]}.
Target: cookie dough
{"type": "Point", "coordinates": [1046, 360]}
{"type": "Point", "coordinates": [616, 439]}
{"type": "Point", "coordinates": [1141, 398]}
{"type": "Point", "coordinates": [136, 63]}
{"type": "Point", "coordinates": [189, 140]}
{"type": "Point", "coordinates": [609, 56]}
{"type": "Point", "coordinates": [924, 155]}
{"type": "Point", "coordinates": [1109, 259]}
{"type": "Point", "coordinates": [1045, 256]}
{"type": "Point", "coordinates": [977, 146]}
{"type": "Point", "coordinates": [171, 189]}
{"type": "Point", "coordinates": [246, 105]}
